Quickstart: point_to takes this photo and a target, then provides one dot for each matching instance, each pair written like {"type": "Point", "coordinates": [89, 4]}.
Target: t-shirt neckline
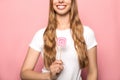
{"type": "Point", "coordinates": [63, 30]}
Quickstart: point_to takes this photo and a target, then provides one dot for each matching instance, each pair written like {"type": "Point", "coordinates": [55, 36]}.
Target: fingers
{"type": "Point", "coordinates": [56, 67]}
{"type": "Point", "coordinates": [58, 62]}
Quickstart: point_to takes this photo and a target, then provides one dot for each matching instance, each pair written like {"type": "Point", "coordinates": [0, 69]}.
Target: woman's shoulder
{"type": "Point", "coordinates": [87, 29]}
{"type": "Point", "coordinates": [89, 37]}
{"type": "Point", "coordinates": [40, 32]}
{"type": "Point", "coordinates": [88, 32]}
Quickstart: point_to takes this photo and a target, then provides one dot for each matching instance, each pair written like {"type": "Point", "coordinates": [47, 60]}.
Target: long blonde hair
{"type": "Point", "coordinates": [77, 35]}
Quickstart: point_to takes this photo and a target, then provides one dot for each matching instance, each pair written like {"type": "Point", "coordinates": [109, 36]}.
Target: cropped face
{"type": "Point", "coordinates": [62, 7]}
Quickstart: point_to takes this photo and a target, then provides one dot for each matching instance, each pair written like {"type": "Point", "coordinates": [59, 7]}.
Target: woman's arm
{"type": "Point", "coordinates": [92, 67]}
{"type": "Point", "coordinates": [27, 71]}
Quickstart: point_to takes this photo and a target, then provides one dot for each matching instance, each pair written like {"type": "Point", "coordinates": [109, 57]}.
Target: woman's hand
{"type": "Point", "coordinates": [55, 68]}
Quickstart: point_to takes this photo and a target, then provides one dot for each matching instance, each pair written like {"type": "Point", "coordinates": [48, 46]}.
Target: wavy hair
{"type": "Point", "coordinates": [77, 35]}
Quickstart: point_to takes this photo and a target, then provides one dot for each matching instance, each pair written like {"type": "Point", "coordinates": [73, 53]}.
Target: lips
{"type": "Point", "coordinates": [61, 7]}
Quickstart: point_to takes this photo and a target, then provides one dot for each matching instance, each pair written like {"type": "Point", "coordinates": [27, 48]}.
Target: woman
{"type": "Point", "coordinates": [62, 62]}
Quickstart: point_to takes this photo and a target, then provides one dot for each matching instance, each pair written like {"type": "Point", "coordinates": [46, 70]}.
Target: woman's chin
{"type": "Point", "coordinates": [62, 13]}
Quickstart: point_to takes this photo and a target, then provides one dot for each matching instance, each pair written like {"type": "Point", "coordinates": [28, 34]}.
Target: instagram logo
{"type": "Point", "coordinates": [61, 42]}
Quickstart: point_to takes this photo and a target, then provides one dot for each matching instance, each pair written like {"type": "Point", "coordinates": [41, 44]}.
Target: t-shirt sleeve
{"type": "Point", "coordinates": [89, 38]}
{"type": "Point", "coordinates": [37, 41]}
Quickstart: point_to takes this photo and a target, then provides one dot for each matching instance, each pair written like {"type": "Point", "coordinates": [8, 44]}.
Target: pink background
{"type": "Point", "coordinates": [20, 19]}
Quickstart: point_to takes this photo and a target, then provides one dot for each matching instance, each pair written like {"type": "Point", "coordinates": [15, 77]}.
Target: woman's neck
{"type": "Point", "coordinates": [63, 22]}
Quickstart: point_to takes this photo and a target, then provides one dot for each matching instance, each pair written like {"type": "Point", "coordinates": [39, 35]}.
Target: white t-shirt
{"type": "Point", "coordinates": [69, 57]}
